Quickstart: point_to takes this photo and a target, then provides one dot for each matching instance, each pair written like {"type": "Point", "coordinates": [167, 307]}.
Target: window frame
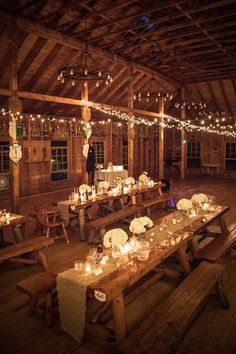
{"type": "Point", "coordinates": [228, 159]}
{"type": "Point", "coordinates": [60, 145]}
{"type": "Point", "coordinates": [99, 141]}
{"type": "Point", "coordinates": [195, 154]}
{"type": "Point", "coordinates": [4, 153]}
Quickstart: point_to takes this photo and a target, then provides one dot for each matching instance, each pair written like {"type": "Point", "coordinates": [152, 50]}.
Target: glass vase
{"type": "Point", "coordinates": [143, 250]}
{"type": "Point", "coordinates": [116, 253]}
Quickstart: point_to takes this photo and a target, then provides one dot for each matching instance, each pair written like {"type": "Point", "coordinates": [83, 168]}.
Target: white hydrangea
{"type": "Point", "coordinates": [115, 237]}
{"type": "Point", "coordinates": [199, 198]}
{"type": "Point", "coordinates": [143, 178]}
{"type": "Point", "coordinates": [84, 187]}
{"type": "Point", "coordinates": [103, 185]}
{"type": "Point", "coordinates": [184, 204]}
{"type": "Point", "coordinates": [140, 225]}
{"type": "Point", "coordinates": [130, 180]}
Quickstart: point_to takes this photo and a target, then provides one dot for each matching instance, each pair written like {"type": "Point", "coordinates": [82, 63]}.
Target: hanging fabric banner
{"type": "Point", "coordinates": [15, 129]}
{"type": "Point", "coordinates": [15, 153]}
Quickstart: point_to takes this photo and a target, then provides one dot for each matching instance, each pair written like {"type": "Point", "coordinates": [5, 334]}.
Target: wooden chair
{"type": "Point", "coordinates": [48, 220]}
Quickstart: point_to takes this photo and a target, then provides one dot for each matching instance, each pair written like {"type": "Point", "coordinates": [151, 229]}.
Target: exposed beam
{"type": "Point", "coordinates": [65, 40]}
{"type": "Point", "coordinates": [227, 103]}
{"type": "Point", "coordinates": [161, 20]}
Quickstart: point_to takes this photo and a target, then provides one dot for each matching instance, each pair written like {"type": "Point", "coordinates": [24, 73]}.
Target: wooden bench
{"type": "Point", "coordinates": [161, 331]}
{"type": "Point", "coordinates": [152, 203]}
{"type": "Point", "coordinates": [12, 253]}
{"type": "Point", "coordinates": [99, 224]}
{"type": "Point", "coordinates": [39, 286]}
{"type": "Point", "coordinates": [218, 247]}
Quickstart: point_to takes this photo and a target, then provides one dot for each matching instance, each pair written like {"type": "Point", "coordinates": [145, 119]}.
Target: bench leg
{"type": "Point", "coordinates": [149, 212]}
{"type": "Point", "coordinates": [184, 260]}
{"type": "Point", "coordinates": [221, 293]}
{"type": "Point", "coordinates": [43, 259]}
{"type": "Point", "coordinates": [90, 237]}
{"type": "Point", "coordinates": [102, 233]}
{"type": "Point", "coordinates": [48, 309]}
{"type": "Point", "coordinates": [32, 305]}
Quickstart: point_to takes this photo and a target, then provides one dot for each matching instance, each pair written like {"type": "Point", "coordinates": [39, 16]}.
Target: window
{"type": "Point", "coordinates": [230, 156]}
{"type": "Point", "coordinates": [59, 160]}
{"type": "Point", "coordinates": [193, 154]}
{"type": "Point", "coordinates": [4, 156]}
{"type": "Point", "coordinates": [125, 154]}
{"type": "Point", "coordinates": [99, 152]}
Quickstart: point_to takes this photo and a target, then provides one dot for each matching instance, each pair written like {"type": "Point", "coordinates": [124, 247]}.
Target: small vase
{"type": "Point", "coordinates": [116, 253]}
{"type": "Point", "coordinates": [143, 250]}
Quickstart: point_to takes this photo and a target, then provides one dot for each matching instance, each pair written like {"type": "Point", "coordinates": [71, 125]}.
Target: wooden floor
{"type": "Point", "coordinates": [213, 331]}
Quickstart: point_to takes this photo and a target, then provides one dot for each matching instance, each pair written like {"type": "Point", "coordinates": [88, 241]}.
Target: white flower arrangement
{"type": "Point", "coordinates": [119, 180]}
{"type": "Point", "coordinates": [103, 185]}
{"type": "Point", "coordinates": [115, 237]}
{"type": "Point", "coordinates": [199, 199]}
{"type": "Point", "coordinates": [184, 204]}
{"type": "Point", "coordinates": [140, 225]}
{"type": "Point", "coordinates": [143, 178]}
{"type": "Point", "coordinates": [84, 187]}
{"type": "Point", "coordinates": [130, 180]}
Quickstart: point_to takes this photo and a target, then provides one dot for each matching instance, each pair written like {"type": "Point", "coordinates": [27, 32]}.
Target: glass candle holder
{"type": "Point", "coordinates": [78, 265]}
{"type": "Point", "coordinates": [143, 250]}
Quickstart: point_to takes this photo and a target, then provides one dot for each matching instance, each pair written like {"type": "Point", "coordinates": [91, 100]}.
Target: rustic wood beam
{"type": "Point", "coordinates": [210, 78]}
{"type": "Point", "coordinates": [160, 31]}
{"type": "Point", "coordinates": [94, 13]}
{"type": "Point", "coordinates": [227, 102]}
{"type": "Point", "coordinates": [159, 20]}
{"type": "Point", "coordinates": [130, 17]}
{"type": "Point", "coordinates": [183, 139]}
{"type": "Point", "coordinates": [71, 101]}
{"type": "Point", "coordinates": [14, 106]}
{"type": "Point", "coordinates": [118, 84]}
{"type": "Point", "coordinates": [161, 139]}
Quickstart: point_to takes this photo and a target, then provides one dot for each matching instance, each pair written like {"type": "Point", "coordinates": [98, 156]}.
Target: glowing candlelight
{"type": "Point", "coordinates": [205, 206]}
{"type": "Point", "coordinates": [8, 216]}
{"type": "Point", "coordinates": [88, 267]}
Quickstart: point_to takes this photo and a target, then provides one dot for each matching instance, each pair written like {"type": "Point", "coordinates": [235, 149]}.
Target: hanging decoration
{"type": "Point", "coordinates": [15, 153]}
{"type": "Point", "coordinates": [152, 93]}
{"type": "Point", "coordinates": [15, 129]}
{"type": "Point", "coordinates": [86, 131]}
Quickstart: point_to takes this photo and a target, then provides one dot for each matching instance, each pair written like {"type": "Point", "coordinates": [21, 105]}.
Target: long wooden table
{"type": "Point", "coordinates": [17, 222]}
{"type": "Point", "coordinates": [112, 286]}
{"type": "Point", "coordinates": [79, 207]}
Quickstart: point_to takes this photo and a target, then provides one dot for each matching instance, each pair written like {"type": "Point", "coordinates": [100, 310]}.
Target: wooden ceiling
{"type": "Point", "coordinates": [177, 42]}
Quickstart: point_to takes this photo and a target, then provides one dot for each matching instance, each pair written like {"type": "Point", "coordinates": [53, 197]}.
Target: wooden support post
{"type": "Point", "coordinates": [131, 131]}
{"type": "Point", "coordinates": [161, 139]}
{"type": "Point", "coordinates": [86, 116]}
{"type": "Point", "coordinates": [183, 139]}
{"type": "Point", "coordinates": [14, 106]}
{"type": "Point", "coordinates": [119, 318]}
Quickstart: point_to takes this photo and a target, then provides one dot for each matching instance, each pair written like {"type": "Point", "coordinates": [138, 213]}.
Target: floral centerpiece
{"type": "Point", "coordinates": [129, 180]}
{"type": "Point", "coordinates": [99, 166]}
{"type": "Point", "coordinates": [143, 178]}
{"type": "Point", "coordinates": [115, 238]}
{"type": "Point", "coordinates": [103, 185]}
{"type": "Point", "coordinates": [85, 187]}
{"type": "Point", "coordinates": [184, 204]}
{"type": "Point", "coordinates": [199, 199]}
{"type": "Point", "coordinates": [140, 225]}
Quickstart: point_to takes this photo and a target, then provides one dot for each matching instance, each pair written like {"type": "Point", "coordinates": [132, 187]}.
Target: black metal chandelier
{"type": "Point", "coordinates": [85, 69]}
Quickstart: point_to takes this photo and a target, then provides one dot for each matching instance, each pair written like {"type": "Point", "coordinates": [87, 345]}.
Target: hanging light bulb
{"type": "Point", "coordinates": [156, 99]}
{"type": "Point", "coordinates": [73, 83]}
{"type": "Point", "coordinates": [107, 82]}
{"type": "Point", "coordinates": [61, 74]}
{"type": "Point", "coordinates": [85, 72]}
{"type": "Point", "coordinates": [108, 76]}
{"type": "Point", "coordinates": [148, 94]}
{"type": "Point", "coordinates": [85, 84]}
{"type": "Point", "coordinates": [71, 72]}
{"type": "Point", "coordinates": [159, 94]}
{"type": "Point", "coordinates": [97, 84]}
{"type": "Point", "coordinates": [147, 99]}
{"type": "Point", "coordinates": [139, 95]}
{"type": "Point", "coordinates": [62, 80]}
{"type": "Point", "coordinates": [134, 96]}
{"type": "Point", "coordinates": [111, 79]}
{"type": "Point", "coordinates": [58, 78]}
{"type": "Point", "coordinates": [99, 73]}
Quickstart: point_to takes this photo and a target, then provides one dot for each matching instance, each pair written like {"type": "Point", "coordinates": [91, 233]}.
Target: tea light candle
{"type": "Point", "coordinates": [205, 206]}
{"type": "Point", "coordinates": [174, 221]}
{"type": "Point", "coordinates": [88, 267]}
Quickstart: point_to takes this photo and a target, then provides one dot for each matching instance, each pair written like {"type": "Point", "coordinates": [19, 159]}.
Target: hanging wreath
{"type": "Point", "coordinates": [215, 148]}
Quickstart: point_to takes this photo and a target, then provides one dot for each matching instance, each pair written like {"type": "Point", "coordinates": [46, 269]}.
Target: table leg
{"type": "Point", "coordinates": [222, 224]}
{"type": "Point", "coordinates": [19, 232]}
{"type": "Point", "coordinates": [184, 260]}
{"type": "Point", "coordinates": [134, 199]}
{"type": "Point", "coordinates": [81, 224]}
{"type": "Point", "coordinates": [119, 318]}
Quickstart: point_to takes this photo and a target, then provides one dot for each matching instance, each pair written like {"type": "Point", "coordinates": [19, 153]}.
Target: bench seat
{"type": "Point", "coordinates": [40, 285]}
{"type": "Point", "coordinates": [99, 224]}
{"type": "Point", "coordinates": [161, 331]}
{"type": "Point", "coordinates": [218, 247]}
{"type": "Point", "coordinates": [150, 204]}
{"type": "Point", "coordinates": [27, 246]}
